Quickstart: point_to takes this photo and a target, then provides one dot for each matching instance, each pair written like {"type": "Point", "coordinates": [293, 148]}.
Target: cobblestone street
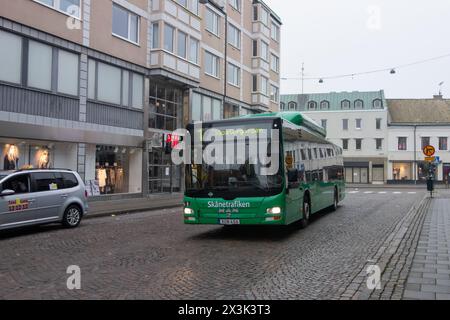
{"type": "Point", "coordinates": [152, 255]}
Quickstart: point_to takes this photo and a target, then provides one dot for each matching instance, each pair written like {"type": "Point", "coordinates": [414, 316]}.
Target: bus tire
{"type": "Point", "coordinates": [306, 213]}
{"type": "Point", "coordinates": [335, 205]}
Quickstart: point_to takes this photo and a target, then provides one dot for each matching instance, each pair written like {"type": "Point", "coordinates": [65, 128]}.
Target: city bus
{"type": "Point", "coordinates": [308, 178]}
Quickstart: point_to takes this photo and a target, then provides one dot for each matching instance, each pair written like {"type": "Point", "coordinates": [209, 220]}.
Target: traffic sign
{"type": "Point", "coordinates": [430, 159]}
{"type": "Point", "coordinates": [429, 151]}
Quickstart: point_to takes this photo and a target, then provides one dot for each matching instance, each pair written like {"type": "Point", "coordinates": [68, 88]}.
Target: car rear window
{"type": "Point", "coordinates": [70, 181]}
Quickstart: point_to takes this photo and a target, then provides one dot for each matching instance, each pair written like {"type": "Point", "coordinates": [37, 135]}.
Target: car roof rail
{"type": "Point", "coordinates": [37, 169]}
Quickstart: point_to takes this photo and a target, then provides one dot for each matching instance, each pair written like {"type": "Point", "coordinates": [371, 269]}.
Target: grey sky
{"type": "Point", "coordinates": [333, 37]}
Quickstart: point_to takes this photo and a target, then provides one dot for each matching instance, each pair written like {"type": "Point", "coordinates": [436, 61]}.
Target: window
{"type": "Point", "coordinates": [345, 104]}
{"type": "Point", "coordinates": [275, 63]}
{"type": "Point", "coordinates": [344, 124]}
{"type": "Point", "coordinates": [264, 51]}
{"type": "Point", "coordinates": [345, 144]}
{"type": "Point", "coordinates": [193, 50]}
{"type": "Point", "coordinates": [282, 106]}
{"type": "Point", "coordinates": [358, 124]}
{"type": "Point", "coordinates": [274, 93]}
{"type": "Point", "coordinates": [108, 86]}
{"type": "Point", "coordinates": [255, 83]}
{"type": "Point", "coordinates": [402, 144]}
{"type": "Point", "coordinates": [425, 142]}
{"type": "Point", "coordinates": [255, 48]}
{"type": "Point", "coordinates": [236, 4]}
{"type": "Point", "coordinates": [155, 36]}
{"type": "Point", "coordinates": [359, 104]}
{"type": "Point", "coordinates": [19, 184]}
{"type": "Point", "coordinates": [212, 22]}
{"type": "Point", "coordinates": [275, 32]}
{"type": "Point", "coordinates": [234, 75]}
{"type": "Point", "coordinates": [234, 36]}
{"type": "Point", "coordinates": [70, 181]}
{"type": "Point", "coordinates": [312, 105]}
{"type": "Point", "coordinates": [377, 104]}
{"type": "Point", "coordinates": [264, 84]}
{"type": "Point", "coordinates": [194, 6]}
{"type": "Point", "coordinates": [206, 108]}
{"type": "Point", "coordinates": [125, 24]}
{"type": "Point", "coordinates": [71, 7]}
{"type": "Point", "coordinates": [211, 64]}
{"type": "Point", "coordinates": [358, 144]}
{"type": "Point", "coordinates": [324, 123]}
{"type": "Point", "coordinates": [182, 44]}
{"type": "Point", "coordinates": [255, 13]}
{"type": "Point", "coordinates": [169, 35]}
{"type": "Point", "coordinates": [40, 66]}
{"type": "Point", "coordinates": [443, 143]}
{"type": "Point", "coordinates": [264, 16]}
{"type": "Point", "coordinates": [10, 57]}
{"type": "Point", "coordinates": [125, 88]}
{"type": "Point", "coordinates": [379, 144]}
{"type": "Point", "coordinates": [292, 105]}
{"type": "Point", "coordinates": [378, 124]}
{"type": "Point", "coordinates": [138, 91]}
{"type": "Point", "coordinates": [47, 181]}
{"type": "Point", "coordinates": [68, 72]}
{"type": "Point", "coordinates": [183, 3]}
{"type": "Point", "coordinates": [324, 105]}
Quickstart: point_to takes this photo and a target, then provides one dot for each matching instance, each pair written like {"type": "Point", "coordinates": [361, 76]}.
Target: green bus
{"type": "Point", "coordinates": [308, 179]}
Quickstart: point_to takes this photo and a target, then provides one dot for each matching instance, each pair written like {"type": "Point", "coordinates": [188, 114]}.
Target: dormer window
{"type": "Point", "coordinates": [312, 105]}
{"type": "Point", "coordinates": [345, 104]}
{"type": "Point", "coordinates": [359, 104]}
{"type": "Point", "coordinates": [377, 104]}
{"type": "Point", "coordinates": [324, 105]}
{"type": "Point", "coordinates": [292, 105]}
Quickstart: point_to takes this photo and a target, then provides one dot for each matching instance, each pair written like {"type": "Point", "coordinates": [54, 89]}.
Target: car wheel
{"type": "Point", "coordinates": [72, 217]}
{"type": "Point", "coordinates": [306, 214]}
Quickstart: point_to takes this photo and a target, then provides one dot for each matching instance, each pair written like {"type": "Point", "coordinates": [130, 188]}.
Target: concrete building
{"type": "Point", "coordinates": [98, 86]}
{"type": "Point", "coordinates": [356, 121]}
{"type": "Point", "coordinates": [414, 124]}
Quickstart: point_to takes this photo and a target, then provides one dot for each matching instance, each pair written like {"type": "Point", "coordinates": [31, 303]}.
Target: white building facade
{"type": "Point", "coordinates": [414, 124]}
{"type": "Point", "coordinates": [355, 121]}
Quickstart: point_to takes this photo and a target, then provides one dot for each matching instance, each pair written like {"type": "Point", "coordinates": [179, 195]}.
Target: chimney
{"type": "Point", "coordinates": [438, 97]}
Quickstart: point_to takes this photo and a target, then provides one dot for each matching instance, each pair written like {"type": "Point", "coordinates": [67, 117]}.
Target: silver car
{"type": "Point", "coordinates": [31, 197]}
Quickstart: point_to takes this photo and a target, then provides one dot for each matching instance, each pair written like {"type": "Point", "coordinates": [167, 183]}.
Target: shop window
{"type": "Point", "coordinates": [10, 57]}
{"type": "Point", "coordinates": [111, 169]}
{"type": "Point", "coordinates": [402, 171]}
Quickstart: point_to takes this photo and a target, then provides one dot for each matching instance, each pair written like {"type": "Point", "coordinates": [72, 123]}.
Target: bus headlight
{"type": "Point", "coordinates": [275, 210]}
{"type": "Point", "coordinates": [188, 211]}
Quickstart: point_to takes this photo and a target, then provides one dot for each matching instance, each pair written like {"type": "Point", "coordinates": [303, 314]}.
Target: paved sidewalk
{"type": "Point", "coordinates": [429, 278]}
{"type": "Point", "coordinates": [394, 186]}
{"type": "Point", "coordinates": [117, 207]}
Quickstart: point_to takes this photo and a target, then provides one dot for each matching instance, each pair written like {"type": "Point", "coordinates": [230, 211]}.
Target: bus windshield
{"type": "Point", "coordinates": [239, 178]}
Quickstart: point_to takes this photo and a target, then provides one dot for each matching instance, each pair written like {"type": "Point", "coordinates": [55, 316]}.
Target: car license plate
{"type": "Point", "coordinates": [229, 222]}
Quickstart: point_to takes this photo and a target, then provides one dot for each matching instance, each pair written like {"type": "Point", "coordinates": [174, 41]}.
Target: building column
{"type": "Point", "coordinates": [81, 161]}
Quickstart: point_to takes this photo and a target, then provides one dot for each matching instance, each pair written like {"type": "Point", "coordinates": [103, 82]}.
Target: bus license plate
{"type": "Point", "coordinates": [229, 222]}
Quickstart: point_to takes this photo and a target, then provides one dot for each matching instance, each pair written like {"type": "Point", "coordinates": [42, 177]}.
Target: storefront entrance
{"type": "Point", "coordinates": [356, 174]}
{"type": "Point", "coordinates": [164, 177]}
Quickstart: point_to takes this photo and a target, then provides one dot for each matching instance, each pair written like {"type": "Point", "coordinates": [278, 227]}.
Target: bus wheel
{"type": "Point", "coordinates": [336, 200]}
{"type": "Point", "coordinates": [306, 214]}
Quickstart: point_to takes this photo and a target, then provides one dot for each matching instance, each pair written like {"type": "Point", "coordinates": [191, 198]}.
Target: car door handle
{"type": "Point", "coordinates": [31, 200]}
{"type": "Point", "coordinates": [64, 195]}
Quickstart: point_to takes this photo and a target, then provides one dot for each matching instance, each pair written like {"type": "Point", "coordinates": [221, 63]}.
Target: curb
{"type": "Point", "coordinates": [103, 214]}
